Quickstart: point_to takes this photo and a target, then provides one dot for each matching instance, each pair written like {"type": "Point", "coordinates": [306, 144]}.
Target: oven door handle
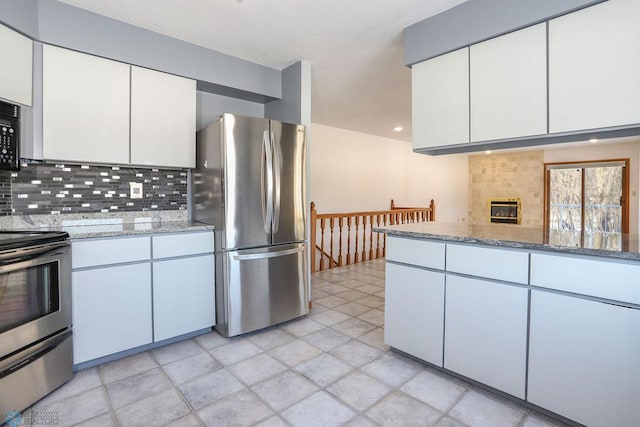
{"type": "Point", "coordinates": [28, 253]}
{"type": "Point", "coordinates": [20, 359]}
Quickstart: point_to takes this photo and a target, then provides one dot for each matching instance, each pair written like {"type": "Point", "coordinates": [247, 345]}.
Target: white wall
{"type": "Point", "coordinates": [353, 171]}
{"type": "Point", "coordinates": [602, 151]}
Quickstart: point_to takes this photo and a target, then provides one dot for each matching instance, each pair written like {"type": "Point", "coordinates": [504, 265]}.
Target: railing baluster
{"type": "Point", "coordinates": [377, 237]}
{"type": "Point", "coordinates": [355, 255]}
{"type": "Point", "coordinates": [340, 242]}
{"type": "Point", "coordinates": [331, 243]}
{"type": "Point", "coordinates": [321, 244]}
{"type": "Point", "coordinates": [348, 240]}
{"type": "Point", "coordinates": [364, 239]}
{"type": "Point", "coordinates": [370, 236]}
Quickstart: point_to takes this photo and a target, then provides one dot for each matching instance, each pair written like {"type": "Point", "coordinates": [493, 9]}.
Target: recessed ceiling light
{"type": "Point", "coordinates": [487, 152]}
{"type": "Point", "coordinates": [398, 128]}
{"type": "Point", "coordinates": [593, 140]}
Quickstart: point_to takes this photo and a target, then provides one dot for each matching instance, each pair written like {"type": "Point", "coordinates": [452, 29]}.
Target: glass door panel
{"type": "Point", "coordinates": [565, 199]}
{"type": "Point", "coordinates": [603, 199]}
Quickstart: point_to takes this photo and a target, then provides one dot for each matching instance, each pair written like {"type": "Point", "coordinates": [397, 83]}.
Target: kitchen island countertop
{"type": "Point", "coordinates": [612, 245]}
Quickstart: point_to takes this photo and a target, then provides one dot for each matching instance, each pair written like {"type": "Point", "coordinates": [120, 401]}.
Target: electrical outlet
{"type": "Point", "coordinates": [135, 190]}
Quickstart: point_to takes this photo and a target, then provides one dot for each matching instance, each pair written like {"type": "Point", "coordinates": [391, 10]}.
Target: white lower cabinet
{"type": "Point", "coordinates": [584, 359]}
{"type": "Point", "coordinates": [486, 332]}
{"type": "Point", "coordinates": [183, 296]}
{"type": "Point", "coordinates": [414, 311]}
{"type": "Point", "coordinates": [111, 310]}
{"type": "Point", "coordinates": [567, 340]}
{"type": "Point", "coordinates": [131, 291]}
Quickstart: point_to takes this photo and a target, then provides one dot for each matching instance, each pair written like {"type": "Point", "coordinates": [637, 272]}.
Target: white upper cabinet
{"type": "Point", "coordinates": [163, 119]}
{"type": "Point", "coordinates": [101, 111]}
{"type": "Point", "coordinates": [508, 84]}
{"type": "Point", "coordinates": [440, 101]}
{"type": "Point", "coordinates": [594, 67]}
{"type": "Point", "coordinates": [16, 72]}
{"type": "Point", "coordinates": [85, 107]}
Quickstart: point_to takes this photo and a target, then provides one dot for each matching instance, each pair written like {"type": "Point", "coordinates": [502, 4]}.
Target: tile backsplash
{"type": "Point", "coordinates": [42, 188]}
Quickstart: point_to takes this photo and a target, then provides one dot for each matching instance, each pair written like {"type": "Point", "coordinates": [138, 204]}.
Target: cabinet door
{"type": "Point", "coordinates": [583, 359]}
{"type": "Point", "coordinates": [85, 107]}
{"type": "Point", "coordinates": [486, 332]}
{"type": "Point", "coordinates": [183, 296]}
{"type": "Point", "coordinates": [509, 85]}
{"type": "Point", "coordinates": [440, 100]}
{"type": "Point", "coordinates": [414, 311]}
{"type": "Point", "coordinates": [111, 310]}
{"type": "Point", "coordinates": [594, 67]}
{"type": "Point", "coordinates": [16, 74]}
{"type": "Point", "coordinates": [163, 119]}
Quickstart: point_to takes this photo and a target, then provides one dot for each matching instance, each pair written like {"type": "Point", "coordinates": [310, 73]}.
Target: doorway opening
{"type": "Point", "coordinates": [589, 198]}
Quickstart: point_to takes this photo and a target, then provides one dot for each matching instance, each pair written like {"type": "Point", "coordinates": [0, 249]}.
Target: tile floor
{"type": "Point", "coordinates": [330, 368]}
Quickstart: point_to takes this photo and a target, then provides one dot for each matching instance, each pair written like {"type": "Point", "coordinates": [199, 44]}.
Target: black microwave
{"type": "Point", "coordinates": [9, 136]}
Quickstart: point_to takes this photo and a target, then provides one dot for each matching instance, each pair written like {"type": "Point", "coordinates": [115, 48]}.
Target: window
{"type": "Point", "coordinates": [589, 198]}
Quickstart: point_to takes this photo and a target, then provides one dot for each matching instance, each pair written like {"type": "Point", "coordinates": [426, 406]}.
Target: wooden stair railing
{"type": "Point", "coordinates": [350, 237]}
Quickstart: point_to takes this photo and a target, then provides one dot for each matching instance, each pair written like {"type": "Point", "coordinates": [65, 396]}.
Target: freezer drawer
{"type": "Point", "coordinates": [261, 287]}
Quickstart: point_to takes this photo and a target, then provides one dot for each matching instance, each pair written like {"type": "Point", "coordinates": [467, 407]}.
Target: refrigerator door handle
{"type": "Point", "coordinates": [264, 255]}
{"type": "Point", "coordinates": [267, 194]}
{"type": "Point", "coordinates": [277, 166]}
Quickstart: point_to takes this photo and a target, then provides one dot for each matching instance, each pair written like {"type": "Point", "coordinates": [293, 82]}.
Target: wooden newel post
{"type": "Point", "coordinates": [393, 204]}
{"type": "Point", "coordinates": [432, 206]}
{"type": "Point", "coordinates": [312, 227]}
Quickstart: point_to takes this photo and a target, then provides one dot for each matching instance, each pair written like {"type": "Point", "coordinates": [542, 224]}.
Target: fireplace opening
{"type": "Point", "coordinates": [504, 211]}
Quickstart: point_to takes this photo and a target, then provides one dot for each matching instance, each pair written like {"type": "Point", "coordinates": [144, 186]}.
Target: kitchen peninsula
{"type": "Point", "coordinates": [552, 319]}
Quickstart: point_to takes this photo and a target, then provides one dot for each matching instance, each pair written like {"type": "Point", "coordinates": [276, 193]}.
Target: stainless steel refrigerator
{"type": "Point", "coordinates": [250, 182]}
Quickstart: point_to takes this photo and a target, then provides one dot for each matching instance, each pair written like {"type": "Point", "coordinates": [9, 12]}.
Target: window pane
{"type": "Point", "coordinates": [603, 192]}
{"type": "Point", "coordinates": [565, 204]}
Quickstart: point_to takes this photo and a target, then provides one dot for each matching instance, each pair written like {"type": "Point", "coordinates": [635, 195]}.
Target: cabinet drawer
{"type": "Point", "coordinates": [497, 264]}
{"type": "Point", "coordinates": [616, 280]}
{"type": "Point", "coordinates": [171, 245]}
{"type": "Point", "coordinates": [88, 253]}
{"type": "Point", "coordinates": [416, 252]}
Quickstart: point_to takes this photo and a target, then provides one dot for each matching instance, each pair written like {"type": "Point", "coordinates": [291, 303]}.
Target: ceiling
{"type": "Point", "coordinates": [355, 47]}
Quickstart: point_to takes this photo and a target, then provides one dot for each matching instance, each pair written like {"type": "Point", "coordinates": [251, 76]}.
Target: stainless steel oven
{"type": "Point", "coordinates": [35, 317]}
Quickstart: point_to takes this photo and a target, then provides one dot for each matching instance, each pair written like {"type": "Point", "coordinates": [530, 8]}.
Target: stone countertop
{"type": "Point", "coordinates": [611, 245]}
{"type": "Point", "coordinates": [87, 231]}
{"type": "Point", "coordinates": [130, 229]}
{"type": "Point", "coordinates": [83, 226]}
